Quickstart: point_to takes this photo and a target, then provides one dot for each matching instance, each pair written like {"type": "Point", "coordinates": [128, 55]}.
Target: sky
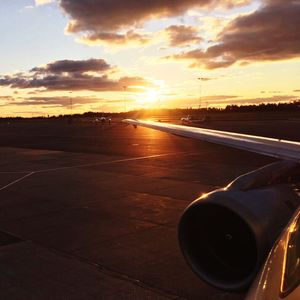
{"type": "Point", "coordinates": [62, 56]}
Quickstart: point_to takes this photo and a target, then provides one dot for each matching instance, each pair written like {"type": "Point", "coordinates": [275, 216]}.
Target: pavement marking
{"type": "Point", "coordinates": [111, 162]}
{"type": "Point", "coordinates": [16, 181]}
{"type": "Point", "coordinates": [14, 172]}
{"type": "Point", "coordinates": [29, 173]}
{"type": "Point", "coordinates": [100, 163]}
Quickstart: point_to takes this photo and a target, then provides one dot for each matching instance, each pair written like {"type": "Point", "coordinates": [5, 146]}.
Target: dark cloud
{"type": "Point", "coordinates": [67, 75]}
{"type": "Point", "coordinates": [296, 91]}
{"type": "Point", "coordinates": [74, 66]}
{"type": "Point", "coordinates": [271, 33]}
{"type": "Point", "coordinates": [117, 38]}
{"type": "Point", "coordinates": [99, 18]}
{"type": "Point", "coordinates": [182, 35]}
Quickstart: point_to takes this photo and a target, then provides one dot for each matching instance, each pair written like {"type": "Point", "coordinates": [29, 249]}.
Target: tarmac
{"type": "Point", "coordinates": [91, 212]}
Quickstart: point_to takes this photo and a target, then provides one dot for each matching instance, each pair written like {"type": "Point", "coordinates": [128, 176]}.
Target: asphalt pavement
{"type": "Point", "coordinates": [90, 212]}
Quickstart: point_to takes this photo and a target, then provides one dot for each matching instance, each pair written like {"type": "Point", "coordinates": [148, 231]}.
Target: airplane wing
{"type": "Point", "coordinates": [228, 235]}
{"type": "Point", "coordinates": [282, 149]}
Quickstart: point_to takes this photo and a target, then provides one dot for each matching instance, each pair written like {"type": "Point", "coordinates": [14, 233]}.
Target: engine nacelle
{"type": "Point", "coordinates": [226, 235]}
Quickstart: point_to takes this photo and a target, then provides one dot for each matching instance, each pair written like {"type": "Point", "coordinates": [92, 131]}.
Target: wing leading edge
{"type": "Point", "coordinates": [267, 146]}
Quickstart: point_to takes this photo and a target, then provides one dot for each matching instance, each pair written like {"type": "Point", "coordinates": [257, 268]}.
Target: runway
{"type": "Point", "coordinates": [88, 212]}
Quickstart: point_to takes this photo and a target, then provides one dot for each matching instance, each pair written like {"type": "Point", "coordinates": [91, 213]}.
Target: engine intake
{"type": "Point", "coordinates": [226, 235]}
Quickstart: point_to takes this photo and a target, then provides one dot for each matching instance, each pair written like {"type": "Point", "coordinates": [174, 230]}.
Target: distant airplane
{"type": "Point", "coordinates": [248, 233]}
{"type": "Point", "coordinates": [191, 120]}
{"type": "Point", "coordinates": [102, 120]}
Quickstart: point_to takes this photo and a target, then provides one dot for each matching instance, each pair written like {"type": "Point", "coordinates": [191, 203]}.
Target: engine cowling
{"type": "Point", "coordinates": [226, 235]}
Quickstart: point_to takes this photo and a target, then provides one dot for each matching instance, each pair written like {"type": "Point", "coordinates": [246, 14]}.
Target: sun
{"type": "Point", "coordinates": [149, 99]}
{"type": "Point", "coordinates": [151, 96]}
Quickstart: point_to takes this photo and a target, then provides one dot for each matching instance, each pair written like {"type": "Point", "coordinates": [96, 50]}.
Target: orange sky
{"type": "Point", "coordinates": [118, 55]}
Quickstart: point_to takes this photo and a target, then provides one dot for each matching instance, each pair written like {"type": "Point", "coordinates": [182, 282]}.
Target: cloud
{"type": "Point", "coordinates": [42, 2]}
{"type": "Point", "coordinates": [182, 35]}
{"type": "Point", "coordinates": [273, 99]}
{"type": "Point", "coordinates": [297, 91]}
{"type": "Point", "coordinates": [6, 98]}
{"type": "Point", "coordinates": [219, 97]}
{"type": "Point", "coordinates": [63, 101]}
{"type": "Point", "coordinates": [100, 18]}
{"type": "Point", "coordinates": [205, 100]}
{"type": "Point", "coordinates": [207, 78]}
{"type": "Point", "coordinates": [271, 92]}
{"type": "Point", "coordinates": [223, 100]}
{"type": "Point", "coordinates": [130, 37]}
{"type": "Point", "coordinates": [73, 66]}
{"type": "Point", "coordinates": [56, 101]}
{"type": "Point", "coordinates": [268, 34]}
{"type": "Point", "coordinates": [73, 75]}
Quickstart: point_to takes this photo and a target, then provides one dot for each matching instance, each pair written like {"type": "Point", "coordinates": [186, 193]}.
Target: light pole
{"type": "Point", "coordinates": [124, 89]}
{"type": "Point", "coordinates": [200, 78]}
{"type": "Point", "coordinates": [71, 103]}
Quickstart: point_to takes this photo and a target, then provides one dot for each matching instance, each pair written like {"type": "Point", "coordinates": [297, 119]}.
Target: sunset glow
{"type": "Point", "coordinates": [103, 54]}
{"type": "Point", "coordinates": [149, 99]}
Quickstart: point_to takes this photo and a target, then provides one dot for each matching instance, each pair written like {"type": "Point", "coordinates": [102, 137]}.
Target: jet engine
{"type": "Point", "coordinates": [226, 235]}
